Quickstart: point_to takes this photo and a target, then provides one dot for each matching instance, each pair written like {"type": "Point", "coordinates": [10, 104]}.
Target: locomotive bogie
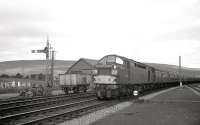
{"type": "Point", "coordinates": [74, 88]}
{"type": "Point", "coordinates": [105, 91]}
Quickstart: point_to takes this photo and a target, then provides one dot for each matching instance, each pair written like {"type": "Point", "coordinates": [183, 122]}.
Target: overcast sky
{"type": "Point", "coordinates": [156, 31]}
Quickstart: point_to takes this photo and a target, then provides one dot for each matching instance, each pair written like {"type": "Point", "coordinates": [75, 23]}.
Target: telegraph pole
{"type": "Point", "coordinates": [180, 72]}
{"type": "Point", "coordinates": [52, 67]}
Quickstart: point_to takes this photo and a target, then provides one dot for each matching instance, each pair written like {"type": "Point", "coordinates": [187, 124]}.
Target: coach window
{"type": "Point", "coordinates": [119, 60]}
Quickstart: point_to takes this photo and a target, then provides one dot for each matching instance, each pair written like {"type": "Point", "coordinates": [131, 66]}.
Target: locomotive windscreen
{"type": "Point", "coordinates": [111, 59]}
{"type": "Point", "coordinates": [104, 71]}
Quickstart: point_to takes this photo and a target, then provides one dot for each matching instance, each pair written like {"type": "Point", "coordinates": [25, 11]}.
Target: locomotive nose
{"type": "Point", "coordinates": [105, 79]}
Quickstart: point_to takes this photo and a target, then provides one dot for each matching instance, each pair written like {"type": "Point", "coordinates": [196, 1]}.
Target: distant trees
{"type": "Point", "coordinates": [18, 75]}
{"type": "Point", "coordinates": [4, 76]}
{"type": "Point", "coordinates": [39, 76]}
{"type": "Point", "coordinates": [27, 77]}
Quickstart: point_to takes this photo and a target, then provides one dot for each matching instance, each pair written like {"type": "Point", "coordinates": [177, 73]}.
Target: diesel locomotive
{"type": "Point", "coordinates": [116, 76]}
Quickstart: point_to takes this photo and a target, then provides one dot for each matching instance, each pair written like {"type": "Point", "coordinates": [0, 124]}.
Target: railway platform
{"type": "Point", "coordinates": [177, 106]}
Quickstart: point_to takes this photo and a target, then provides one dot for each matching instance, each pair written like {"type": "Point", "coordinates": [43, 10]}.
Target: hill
{"type": "Point", "coordinates": [27, 67]}
{"type": "Point", "coordinates": [175, 69]}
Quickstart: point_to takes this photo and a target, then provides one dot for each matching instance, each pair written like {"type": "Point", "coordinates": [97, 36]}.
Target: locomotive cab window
{"type": "Point", "coordinates": [103, 61]}
{"type": "Point", "coordinates": [111, 59]}
{"type": "Point", "coordinates": [107, 60]}
{"type": "Point", "coordinates": [119, 60]}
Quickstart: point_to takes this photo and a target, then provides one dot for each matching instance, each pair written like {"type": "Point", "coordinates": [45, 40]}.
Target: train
{"type": "Point", "coordinates": [117, 76]}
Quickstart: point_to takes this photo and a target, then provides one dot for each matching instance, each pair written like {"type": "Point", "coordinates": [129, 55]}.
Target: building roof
{"type": "Point", "coordinates": [90, 62]}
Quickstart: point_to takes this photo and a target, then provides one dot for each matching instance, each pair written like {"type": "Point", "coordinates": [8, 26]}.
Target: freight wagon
{"type": "Point", "coordinates": [74, 83]}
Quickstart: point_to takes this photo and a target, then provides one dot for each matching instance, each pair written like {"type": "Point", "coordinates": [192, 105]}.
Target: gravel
{"type": "Point", "coordinates": [97, 115]}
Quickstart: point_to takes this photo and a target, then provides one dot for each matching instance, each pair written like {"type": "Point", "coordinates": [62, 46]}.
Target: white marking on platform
{"type": "Point", "coordinates": [150, 96]}
{"type": "Point", "coordinates": [197, 88]}
{"type": "Point", "coordinates": [197, 93]}
{"type": "Point", "coordinates": [176, 101]}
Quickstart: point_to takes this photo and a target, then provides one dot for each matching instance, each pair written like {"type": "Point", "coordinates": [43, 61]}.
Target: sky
{"type": "Point", "coordinates": [156, 31]}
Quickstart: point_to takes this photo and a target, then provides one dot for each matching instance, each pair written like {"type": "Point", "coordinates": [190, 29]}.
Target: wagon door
{"type": "Point", "coordinates": [74, 79]}
{"type": "Point", "coordinates": [84, 80]}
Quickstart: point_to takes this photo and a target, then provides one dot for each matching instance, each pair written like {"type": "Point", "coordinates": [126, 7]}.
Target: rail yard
{"type": "Point", "coordinates": [49, 110]}
{"type": "Point", "coordinates": [61, 109]}
{"type": "Point", "coordinates": [112, 80]}
{"type": "Point", "coordinates": [99, 62]}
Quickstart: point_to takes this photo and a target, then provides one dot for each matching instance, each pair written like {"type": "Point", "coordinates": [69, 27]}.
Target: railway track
{"type": "Point", "coordinates": [10, 110]}
{"type": "Point", "coordinates": [19, 102]}
{"type": "Point", "coordinates": [195, 87]}
{"type": "Point", "coordinates": [54, 113]}
{"type": "Point", "coordinates": [67, 115]}
{"type": "Point", "coordinates": [21, 98]}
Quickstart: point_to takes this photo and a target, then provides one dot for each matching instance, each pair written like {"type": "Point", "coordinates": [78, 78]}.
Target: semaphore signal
{"type": "Point", "coordinates": [49, 52]}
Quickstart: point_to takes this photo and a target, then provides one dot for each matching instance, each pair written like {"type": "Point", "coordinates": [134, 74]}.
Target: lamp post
{"type": "Point", "coordinates": [180, 73]}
